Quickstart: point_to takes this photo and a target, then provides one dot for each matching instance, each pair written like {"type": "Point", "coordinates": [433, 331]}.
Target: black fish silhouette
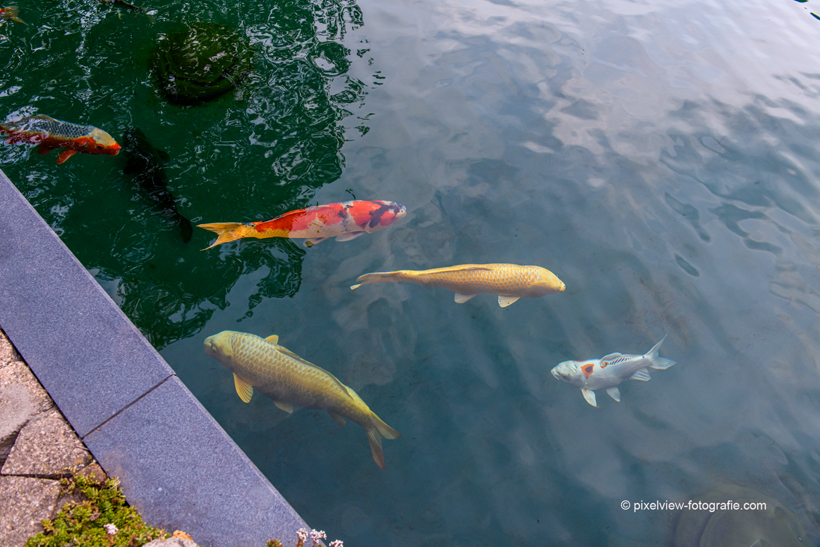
{"type": "Point", "coordinates": [144, 162]}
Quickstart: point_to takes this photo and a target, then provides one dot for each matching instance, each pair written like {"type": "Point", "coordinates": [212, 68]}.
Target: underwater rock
{"type": "Point", "coordinates": [201, 61]}
{"type": "Point", "coordinates": [775, 525]}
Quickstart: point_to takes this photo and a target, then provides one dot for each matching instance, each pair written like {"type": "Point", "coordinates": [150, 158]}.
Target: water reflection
{"type": "Point", "coordinates": [254, 153]}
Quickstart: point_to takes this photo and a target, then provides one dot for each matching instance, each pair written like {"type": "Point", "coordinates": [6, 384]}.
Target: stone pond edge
{"type": "Point", "coordinates": [177, 465]}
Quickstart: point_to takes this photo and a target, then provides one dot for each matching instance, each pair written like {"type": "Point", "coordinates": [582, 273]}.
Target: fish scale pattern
{"type": "Point", "coordinates": [274, 371]}
{"type": "Point", "coordinates": [489, 277]}
{"type": "Point", "coordinates": [54, 128]}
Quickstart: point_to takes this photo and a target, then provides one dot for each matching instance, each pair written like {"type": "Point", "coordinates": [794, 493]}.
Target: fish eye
{"type": "Point", "coordinates": [99, 146]}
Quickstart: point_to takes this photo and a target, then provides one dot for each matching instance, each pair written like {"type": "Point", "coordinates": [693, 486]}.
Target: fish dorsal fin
{"type": "Point", "coordinates": [613, 358]}
{"type": "Point", "coordinates": [43, 117]}
{"type": "Point", "coordinates": [273, 339]}
{"type": "Point", "coordinates": [336, 418]}
{"type": "Point", "coordinates": [589, 395]}
{"type": "Point", "coordinates": [287, 407]}
{"type": "Point", "coordinates": [468, 268]}
{"type": "Point", "coordinates": [505, 301]}
{"type": "Point", "coordinates": [642, 375]}
{"type": "Point", "coordinates": [615, 393]}
{"type": "Point", "coordinates": [302, 361]}
{"type": "Point", "coordinates": [462, 298]}
{"type": "Point", "coordinates": [243, 389]}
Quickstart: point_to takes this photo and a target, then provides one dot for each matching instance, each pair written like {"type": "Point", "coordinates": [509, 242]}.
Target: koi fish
{"type": "Point", "coordinates": [9, 13]}
{"type": "Point", "coordinates": [609, 371]}
{"type": "Point", "coordinates": [48, 134]}
{"type": "Point", "coordinates": [344, 221]}
{"type": "Point", "coordinates": [289, 380]}
{"type": "Point", "coordinates": [145, 164]}
{"type": "Point", "coordinates": [509, 281]}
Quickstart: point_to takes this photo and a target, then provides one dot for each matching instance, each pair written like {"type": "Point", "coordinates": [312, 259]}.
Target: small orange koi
{"type": "Point", "coordinates": [48, 134]}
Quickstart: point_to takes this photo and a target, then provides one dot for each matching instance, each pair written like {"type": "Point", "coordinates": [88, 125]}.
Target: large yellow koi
{"type": "Point", "coordinates": [289, 380]}
{"type": "Point", "coordinates": [509, 281]}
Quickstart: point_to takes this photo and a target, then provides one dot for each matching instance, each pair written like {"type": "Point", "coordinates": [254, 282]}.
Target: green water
{"type": "Point", "coordinates": [660, 159]}
{"type": "Point", "coordinates": [252, 154]}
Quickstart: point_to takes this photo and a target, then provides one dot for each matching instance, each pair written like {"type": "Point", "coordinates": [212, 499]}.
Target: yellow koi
{"type": "Point", "coordinates": [509, 281]}
{"type": "Point", "coordinates": [289, 380]}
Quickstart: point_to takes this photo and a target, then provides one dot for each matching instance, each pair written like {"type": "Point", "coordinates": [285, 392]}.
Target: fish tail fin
{"type": "Point", "coordinates": [12, 12]}
{"type": "Point", "coordinates": [227, 231]}
{"type": "Point", "coordinates": [376, 277]}
{"type": "Point", "coordinates": [377, 431]}
{"type": "Point", "coordinates": [659, 362]}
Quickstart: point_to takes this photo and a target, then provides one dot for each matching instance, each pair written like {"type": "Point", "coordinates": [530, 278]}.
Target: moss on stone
{"type": "Point", "coordinates": [83, 522]}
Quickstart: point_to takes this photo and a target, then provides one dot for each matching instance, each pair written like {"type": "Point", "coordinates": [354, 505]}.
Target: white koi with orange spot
{"type": "Point", "coordinates": [609, 371]}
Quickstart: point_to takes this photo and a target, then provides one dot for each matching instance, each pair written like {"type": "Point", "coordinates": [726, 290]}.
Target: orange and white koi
{"type": "Point", "coordinates": [10, 13]}
{"type": "Point", "coordinates": [344, 221]}
{"type": "Point", "coordinates": [609, 371]}
{"type": "Point", "coordinates": [509, 281]}
{"type": "Point", "coordinates": [49, 134]}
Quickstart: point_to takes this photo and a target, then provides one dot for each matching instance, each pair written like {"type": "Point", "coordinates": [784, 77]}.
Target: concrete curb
{"type": "Point", "coordinates": [178, 467]}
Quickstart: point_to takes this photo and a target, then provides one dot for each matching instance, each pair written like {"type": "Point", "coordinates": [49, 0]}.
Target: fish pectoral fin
{"type": "Point", "coordinates": [642, 375]}
{"type": "Point", "coordinates": [337, 418]}
{"type": "Point", "coordinates": [273, 339]}
{"type": "Point", "coordinates": [43, 149]}
{"type": "Point", "coordinates": [615, 393]}
{"type": "Point", "coordinates": [314, 241]}
{"type": "Point", "coordinates": [349, 237]}
{"type": "Point", "coordinates": [287, 407]}
{"type": "Point", "coordinates": [589, 395]}
{"type": "Point", "coordinates": [243, 389]}
{"type": "Point", "coordinates": [505, 301]}
{"type": "Point", "coordinates": [462, 298]}
{"type": "Point", "coordinates": [64, 155]}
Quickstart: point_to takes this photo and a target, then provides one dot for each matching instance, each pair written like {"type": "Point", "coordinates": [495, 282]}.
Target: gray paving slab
{"type": "Point", "coordinates": [180, 469]}
{"type": "Point", "coordinates": [79, 344]}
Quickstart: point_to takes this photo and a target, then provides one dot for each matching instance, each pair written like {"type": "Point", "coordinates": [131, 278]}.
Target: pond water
{"type": "Point", "coordinates": [661, 160]}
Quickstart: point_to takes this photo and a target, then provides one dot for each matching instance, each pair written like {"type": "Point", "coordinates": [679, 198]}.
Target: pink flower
{"type": "Point", "coordinates": [301, 533]}
{"type": "Point", "coordinates": [336, 543]}
{"type": "Point", "coordinates": [317, 535]}
{"type": "Point", "coordinates": [111, 529]}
